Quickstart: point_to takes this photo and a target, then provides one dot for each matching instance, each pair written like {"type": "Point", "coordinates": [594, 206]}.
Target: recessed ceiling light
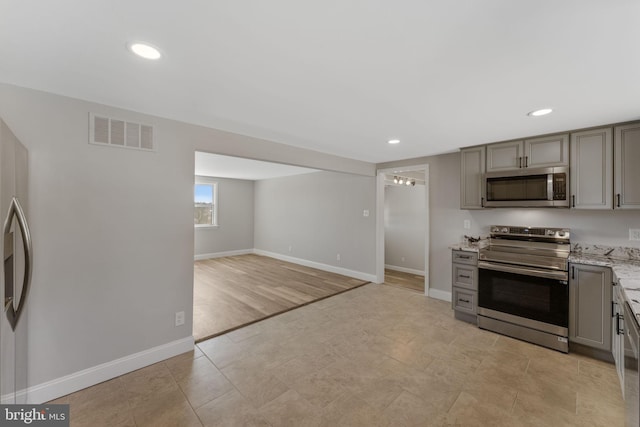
{"type": "Point", "coordinates": [394, 141]}
{"type": "Point", "coordinates": [145, 50]}
{"type": "Point", "coordinates": [541, 112]}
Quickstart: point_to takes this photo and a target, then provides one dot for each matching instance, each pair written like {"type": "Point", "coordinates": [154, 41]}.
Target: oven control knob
{"type": "Point", "coordinates": [551, 233]}
{"type": "Point", "coordinates": [561, 233]}
{"type": "Point", "coordinates": [504, 230]}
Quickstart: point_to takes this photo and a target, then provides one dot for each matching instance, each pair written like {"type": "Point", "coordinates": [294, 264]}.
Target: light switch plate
{"type": "Point", "coordinates": [634, 234]}
{"type": "Point", "coordinates": [467, 224]}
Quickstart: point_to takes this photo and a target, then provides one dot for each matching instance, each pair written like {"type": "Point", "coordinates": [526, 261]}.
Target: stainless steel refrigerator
{"type": "Point", "coordinates": [15, 272]}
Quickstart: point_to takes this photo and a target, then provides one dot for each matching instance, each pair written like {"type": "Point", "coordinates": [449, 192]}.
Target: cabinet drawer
{"type": "Point", "coordinates": [465, 300]}
{"type": "Point", "coordinates": [464, 257]}
{"type": "Point", "coordinates": [465, 276]}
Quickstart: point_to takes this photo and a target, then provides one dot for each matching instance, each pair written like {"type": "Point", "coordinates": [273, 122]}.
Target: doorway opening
{"type": "Point", "coordinates": [257, 252]}
{"type": "Point", "coordinates": [403, 227]}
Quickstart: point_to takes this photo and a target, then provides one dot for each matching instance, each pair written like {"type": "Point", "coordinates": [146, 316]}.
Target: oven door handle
{"type": "Point", "coordinates": [556, 275]}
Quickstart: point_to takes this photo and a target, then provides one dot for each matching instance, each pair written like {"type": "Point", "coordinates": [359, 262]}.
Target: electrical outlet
{"type": "Point", "coordinates": [402, 259]}
{"type": "Point", "coordinates": [467, 224]}
{"type": "Point", "coordinates": [290, 248]}
{"type": "Point", "coordinates": [179, 318]}
{"type": "Point", "coordinates": [365, 212]}
{"type": "Point", "coordinates": [634, 234]}
{"type": "Point", "coordinates": [338, 257]}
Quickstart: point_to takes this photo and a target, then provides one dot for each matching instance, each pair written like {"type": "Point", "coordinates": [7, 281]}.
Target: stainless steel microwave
{"type": "Point", "coordinates": [528, 187]}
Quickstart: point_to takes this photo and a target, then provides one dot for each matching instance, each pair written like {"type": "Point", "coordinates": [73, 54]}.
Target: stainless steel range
{"type": "Point", "coordinates": [523, 289]}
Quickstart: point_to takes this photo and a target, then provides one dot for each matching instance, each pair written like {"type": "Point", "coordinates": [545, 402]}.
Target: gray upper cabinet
{"type": "Point", "coordinates": [626, 169]}
{"type": "Point", "coordinates": [472, 167]}
{"type": "Point", "coordinates": [545, 151]}
{"type": "Point", "coordinates": [591, 169]}
{"type": "Point", "coordinates": [504, 156]}
{"type": "Point", "coordinates": [590, 292]}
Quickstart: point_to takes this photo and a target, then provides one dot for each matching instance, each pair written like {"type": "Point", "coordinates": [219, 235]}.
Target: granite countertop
{"type": "Point", "coordinates": [470, 247]}
{"type": "Point", "coordinates": [627, 272]}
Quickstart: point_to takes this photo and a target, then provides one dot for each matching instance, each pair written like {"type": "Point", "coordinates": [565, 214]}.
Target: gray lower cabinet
{"type": "Point", "coordinates": [464, 289]}
{"type": "Point", "coordinates": [617, 331]}
{"type": "Point", "coordinates": [590, 289]}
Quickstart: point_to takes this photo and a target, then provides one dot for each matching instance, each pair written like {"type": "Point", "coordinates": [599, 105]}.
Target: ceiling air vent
{"type": "Point", "coordinates": [120, 133]}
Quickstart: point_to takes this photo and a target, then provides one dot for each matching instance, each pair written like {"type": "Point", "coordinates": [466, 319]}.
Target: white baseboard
{"type": "Point", "coordinates": [82, 379]}
{"type": "Point", "coordinates": [404, 270]}
{"type": "Point", "coordinates": [200, 257]}
{"type": "Point", "coordinates": [438, 294]}
{"type": "Point", "coordinates": [324, 267]}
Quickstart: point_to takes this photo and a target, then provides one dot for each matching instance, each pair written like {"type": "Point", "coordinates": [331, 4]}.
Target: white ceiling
{"type": "Point", "coordinates": [339, 76]}
{"type": "Point", "coordinates": [238, 168]}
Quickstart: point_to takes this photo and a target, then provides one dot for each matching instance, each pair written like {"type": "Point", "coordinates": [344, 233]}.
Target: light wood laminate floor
{"type": "Point", "coordinates": [372, 356]}
{"type": "Point", "coordinates": [235, 291]}
{"type": "Point", "coordinates": [404, 280]}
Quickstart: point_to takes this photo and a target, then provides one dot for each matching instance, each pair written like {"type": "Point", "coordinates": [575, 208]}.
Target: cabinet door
{"type": "Point", "coordinates": [626, 167]}
{"type": "Point", "coordinates": [590, 306]}
{"type": "Point", "coordinates": [546, 151]}
{"type": "Point", "coordinates": [505, 156]}
{"type": "Point", "coordinates": [472, 164]}
{"type": "Point", "coordinates": [592, 169]}
{"type": "Point", "coordinates": [617, 329]}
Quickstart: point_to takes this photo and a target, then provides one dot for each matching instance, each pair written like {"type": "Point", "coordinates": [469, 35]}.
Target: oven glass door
{"type": "Point", "coordinates": [537, 298]}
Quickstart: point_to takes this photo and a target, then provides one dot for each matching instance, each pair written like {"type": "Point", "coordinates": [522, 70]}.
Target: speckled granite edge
{"type": "Point", "coordinates": [470, 247]}
{"type": "Point", "coordinates": [617, 252]}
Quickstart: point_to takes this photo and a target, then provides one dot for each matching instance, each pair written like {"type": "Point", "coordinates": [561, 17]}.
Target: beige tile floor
{"type": "Point", "coordinates": [373, 356]}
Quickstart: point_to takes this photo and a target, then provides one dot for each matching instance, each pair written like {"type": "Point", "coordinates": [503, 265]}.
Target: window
{"type": "Point", "coordinates": [206, 206]}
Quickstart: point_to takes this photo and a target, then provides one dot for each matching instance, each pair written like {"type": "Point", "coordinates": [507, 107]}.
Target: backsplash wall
{"type": "Point", "coordinates": [609, 227]}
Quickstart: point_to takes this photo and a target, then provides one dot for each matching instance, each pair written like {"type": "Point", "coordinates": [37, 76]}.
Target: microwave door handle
{"type": "Point", "coordinates": [13, 313]}
{"type": "Point", "coordinates": [550, 186]}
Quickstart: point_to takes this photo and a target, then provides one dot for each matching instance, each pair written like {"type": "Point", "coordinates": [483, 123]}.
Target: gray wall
{"type": "Point", "coordinates": [113, 228]}
{"type": "Point", "coordinates": [446, 218]}
{"type": "Point", "coordinates": [318, 215]}
{"type": "Point", "coordinates": [235, 219]}
{"type": "Point", "coordinates": [405, 221]}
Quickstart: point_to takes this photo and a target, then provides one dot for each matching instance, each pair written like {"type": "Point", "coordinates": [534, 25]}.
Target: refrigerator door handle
{"type": "Point", "coordinates": [13, 313]}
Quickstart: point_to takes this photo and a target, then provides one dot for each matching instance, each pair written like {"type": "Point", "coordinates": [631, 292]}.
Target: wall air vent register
{"type": "Point", "coordinates": [120, 133]}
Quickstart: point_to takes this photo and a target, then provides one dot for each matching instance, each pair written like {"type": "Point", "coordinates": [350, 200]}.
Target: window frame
{"type": "Point", "coordinates": [214, 210]}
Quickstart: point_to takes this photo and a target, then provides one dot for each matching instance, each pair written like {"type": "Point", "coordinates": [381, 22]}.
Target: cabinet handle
{"type": "Point", "coordinates": [618, 197]}
{"type": "Point", "coordinates": [466, 277]}
{"type": "Point", "coordinates": [573, 201]}
{"type": "Point", "coordinates": [619, 331]}
{"type": "Point", "coordinates": [573, 272]}
{"type": "Point", "coordinates": [526, 161]}
{"type": "Point", "coordinates": [482, 202]}
{"type": "Point", "coordinates": [519, 162]}
{"type": "Point", "coordinates": [464, 300]}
